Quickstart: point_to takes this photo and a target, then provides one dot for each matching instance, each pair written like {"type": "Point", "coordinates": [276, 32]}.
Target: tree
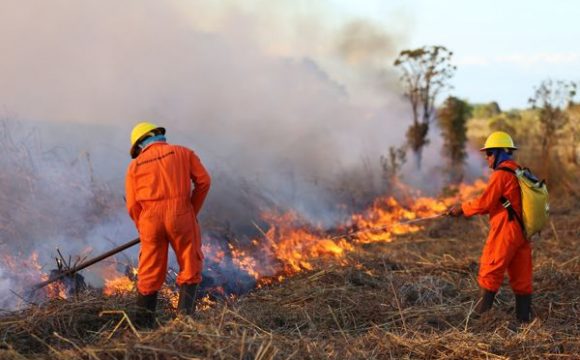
{"type": "Point", "coordinates": [452, 118]}
{"type": "Point", "coordinates": [425, 73]}
{"type": "Point", "coordinates": [506, 121]}
{"type": "Point", "coordinates": [392, 165]}
{"type": "Point", "coordinates": [552, 98]}
{"type": "Point", "coordinates": [484, 111]}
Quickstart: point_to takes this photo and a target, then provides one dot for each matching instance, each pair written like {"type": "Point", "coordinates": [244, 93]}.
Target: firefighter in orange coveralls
{"type": "Point", "coordinates": [506, 247]}
{"type": "Point", "coordinates": [161, 203]}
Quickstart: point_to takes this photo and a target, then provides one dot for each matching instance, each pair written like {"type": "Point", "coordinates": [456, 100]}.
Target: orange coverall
{"type": "Point", "coordinates": [506, 247]}
{"type": "Point", "coordinates": [164, 209]}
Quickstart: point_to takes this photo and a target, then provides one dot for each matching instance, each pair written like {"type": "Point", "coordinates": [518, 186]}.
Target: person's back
{"type": "Point", "coordinates": [164, 209]}
{"type": "Point", "coordinates": [163, 175]}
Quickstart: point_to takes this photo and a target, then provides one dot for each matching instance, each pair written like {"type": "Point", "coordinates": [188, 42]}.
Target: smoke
{"type": "Point", "coordinates": [5, 286]}
{"type": "Point", "coordinates": [287, 108]}
{"type": "Point", "coordinates": [366, 47]}
{"type": "Point", "coordinates": [434, 174]}
{"type": "Point", "coordinates": [268, 95]}
{"type": "Point", "coordinates": [51, 200]}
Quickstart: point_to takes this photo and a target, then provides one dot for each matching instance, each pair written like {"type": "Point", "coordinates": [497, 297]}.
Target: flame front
{"type": "Point", "coordinates": [291, 245]}
{"type": "Point", "coordinates": [117, 283]}
{"type": "Point", "coordinates": [296, 246]}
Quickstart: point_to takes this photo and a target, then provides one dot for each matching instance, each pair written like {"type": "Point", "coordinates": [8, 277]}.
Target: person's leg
{"type": "Point", "coordinates": [152, 270]}
{"type": "Point", "coordinates": [520, 275]}
{"type": "Point", "coordinates": [185, 239]}
{"type": "Point", "coordinates": [497, 253]}
{"type": "Point", "coordinates": [490, 277]}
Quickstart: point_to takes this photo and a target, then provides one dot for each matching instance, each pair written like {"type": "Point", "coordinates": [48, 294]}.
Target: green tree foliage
{"type": "Point", "coordinates": [484, 111]}
{"type": "Point", "coordinates": [425, 73]}
{"type": "Point", "coordinates": [552, 98]}
{"type": "Point", "coordinates": [452, 118]}
{"type": "Point", "coordinates": [505, 122]}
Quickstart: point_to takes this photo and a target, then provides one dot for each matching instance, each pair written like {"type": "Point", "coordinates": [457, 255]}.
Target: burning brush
{"type": "Point", "coordinates": [288, 246]}
{"type": "Point", "coordinates": [68, 282]}
{"type": "Point", "coordinates": [221, 277]}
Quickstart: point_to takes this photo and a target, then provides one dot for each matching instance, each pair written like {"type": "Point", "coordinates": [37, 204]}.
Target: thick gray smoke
{"type": "Point", "coordinates": [284, 110]}
{"type": "Point", "coordinates": [270, 114]}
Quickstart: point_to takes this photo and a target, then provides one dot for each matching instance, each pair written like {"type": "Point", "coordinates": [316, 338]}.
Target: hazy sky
{"type": "Point", "coordinates": [502, 48]}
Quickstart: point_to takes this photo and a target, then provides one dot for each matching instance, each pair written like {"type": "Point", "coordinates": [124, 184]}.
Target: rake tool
{"type": "Point", "coordinates": [85, 264]}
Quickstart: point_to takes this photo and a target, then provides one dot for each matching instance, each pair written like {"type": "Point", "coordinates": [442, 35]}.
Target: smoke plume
{"type": "Point", "coordinates": [286, 110]}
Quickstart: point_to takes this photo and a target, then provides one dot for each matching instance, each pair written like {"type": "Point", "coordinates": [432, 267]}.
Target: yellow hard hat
{"type": "Point", "coordinates": [139, 132]}
{"type": "Point", "coordinates": [498, 139]}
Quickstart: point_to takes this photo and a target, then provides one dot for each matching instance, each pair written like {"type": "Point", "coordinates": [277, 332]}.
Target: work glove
{"type": "Point", "coordinates": [455, 211]}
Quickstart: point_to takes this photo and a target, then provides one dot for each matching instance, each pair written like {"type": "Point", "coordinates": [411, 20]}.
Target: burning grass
{"type": "Point", "coordinates": [408, 298]}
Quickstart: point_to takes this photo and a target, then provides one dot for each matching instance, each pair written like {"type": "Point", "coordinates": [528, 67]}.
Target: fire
{"type": "Point", "coordinates": [244, 261]}
{"type": "Point", "coordinates": [297, 246]}
{"type": "Point", "coordinates": [387, 217]}
{"type": "Point", "coordinates": [467, 192]}
{"type": "Point", "coordinates": [56, 290]}
{"type": "Point", "coordinates": [29, 271]}
{"type": "Point", "coordinates": [291, 244]}
{"type": "Point", "coordinates": [171, 295]}
{"type": "Point", "coordinates": [205, 303]}
{"type": "Point", "coordinates": [117, 283]}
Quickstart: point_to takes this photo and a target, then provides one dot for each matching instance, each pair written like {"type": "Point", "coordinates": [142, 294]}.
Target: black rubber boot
{"type": "Point", "coordinates": [145, 311]}
{"type": "Point", "coordinates": [485, 302]}
{"type": "Point", "coordinates": [524, 307]}
{"type": "Point", "coordinates": [187, 297]}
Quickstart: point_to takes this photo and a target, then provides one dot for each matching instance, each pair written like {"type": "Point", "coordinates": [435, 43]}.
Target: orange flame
{"type": "Point", "coordinates": [296, 245]}
{"type": "Point", "coordinates": [118, 285]}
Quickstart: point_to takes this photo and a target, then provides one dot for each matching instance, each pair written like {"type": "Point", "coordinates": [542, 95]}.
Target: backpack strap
{"type": "Point", "coordinates": [505, 168]}
{"type": "Point", "coordinates": [512, 213]}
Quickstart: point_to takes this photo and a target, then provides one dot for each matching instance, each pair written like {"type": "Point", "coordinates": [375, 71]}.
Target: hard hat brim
{"type": "Point", "coordinates": [502, 147]}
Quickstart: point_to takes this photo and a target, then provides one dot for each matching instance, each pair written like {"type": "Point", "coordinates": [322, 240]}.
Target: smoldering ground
{"type": "Point", "coordinates": [287, 112]}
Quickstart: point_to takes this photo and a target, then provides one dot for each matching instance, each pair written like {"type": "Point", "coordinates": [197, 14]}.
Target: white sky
{"type": "Point", "coordinates": [503, 49]}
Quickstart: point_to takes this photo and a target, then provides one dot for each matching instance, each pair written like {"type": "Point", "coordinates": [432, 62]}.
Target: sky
{"type": "Point", "coordinates": [503, 49]}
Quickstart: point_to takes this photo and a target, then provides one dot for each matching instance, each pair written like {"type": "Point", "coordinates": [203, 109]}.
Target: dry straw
{"type": "Point", "coordinates": [408, 299]}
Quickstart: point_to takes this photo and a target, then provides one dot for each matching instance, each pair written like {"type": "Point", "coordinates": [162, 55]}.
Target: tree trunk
{"type": "Point", "coordinates": [418, 155]}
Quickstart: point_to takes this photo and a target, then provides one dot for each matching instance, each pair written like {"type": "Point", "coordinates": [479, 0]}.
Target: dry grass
{"type": "Point", "coordinates": [409, 299]}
